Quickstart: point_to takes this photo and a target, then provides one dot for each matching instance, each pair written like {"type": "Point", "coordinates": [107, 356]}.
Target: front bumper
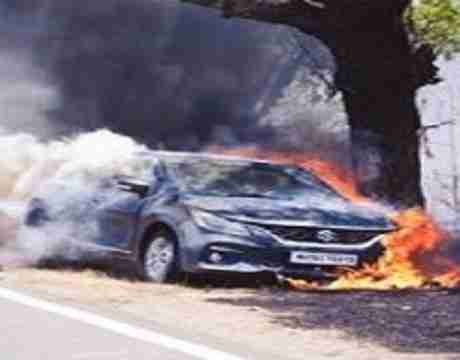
{"type": "Point", "coordinates": [277, 260]}
{"type": "Point", "coordinates": [219, 253]}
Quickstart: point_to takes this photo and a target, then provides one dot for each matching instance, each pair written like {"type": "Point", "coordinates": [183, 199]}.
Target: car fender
{"type": "Point", "coordinates": [172, 217]}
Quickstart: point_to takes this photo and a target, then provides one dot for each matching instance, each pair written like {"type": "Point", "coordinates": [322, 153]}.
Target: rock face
{"type": "Point", "coordinates": [440, 153]}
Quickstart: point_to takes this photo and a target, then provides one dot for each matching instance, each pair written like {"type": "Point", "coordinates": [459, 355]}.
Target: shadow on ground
{"type": "Point", "coordinates": [125, 271]}
{"type": "Point", "coordinates": [425, 321]}
{"type": "Point", "coordinates": [405, 321]}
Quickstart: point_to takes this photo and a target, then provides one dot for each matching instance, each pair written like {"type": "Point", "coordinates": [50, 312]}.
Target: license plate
{"type": "Point", "coordinates": [315, 258]}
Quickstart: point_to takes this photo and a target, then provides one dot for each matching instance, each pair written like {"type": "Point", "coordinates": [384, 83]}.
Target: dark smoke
{"type": "Point", "coordinates": [165, 73]}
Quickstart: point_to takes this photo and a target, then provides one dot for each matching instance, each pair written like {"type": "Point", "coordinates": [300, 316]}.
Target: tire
{"type": "Point", "coordinates": [159, 261]}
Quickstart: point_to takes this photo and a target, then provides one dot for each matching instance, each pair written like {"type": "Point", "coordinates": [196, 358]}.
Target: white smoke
{"type": "Point", "coordinates": [63, 173]}
{"type": "Point", "coordinates": [26, 94]}
{"type": "Point", "coordinates": [306, 119]}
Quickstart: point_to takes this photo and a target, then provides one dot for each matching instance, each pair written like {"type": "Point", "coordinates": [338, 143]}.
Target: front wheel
{"type": "Point", "coordinates": [159, 260]}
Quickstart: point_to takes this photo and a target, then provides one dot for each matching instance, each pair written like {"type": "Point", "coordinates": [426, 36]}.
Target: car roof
{"type": "Point", "coordinates": [183, 156]}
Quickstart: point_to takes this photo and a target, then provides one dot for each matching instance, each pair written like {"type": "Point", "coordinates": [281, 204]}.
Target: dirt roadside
{"type": "Point", "coordinates": [284, 324]}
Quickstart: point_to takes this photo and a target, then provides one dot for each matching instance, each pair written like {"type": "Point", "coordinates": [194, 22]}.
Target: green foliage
{"type": "Point", "coordinates": [437, 22]}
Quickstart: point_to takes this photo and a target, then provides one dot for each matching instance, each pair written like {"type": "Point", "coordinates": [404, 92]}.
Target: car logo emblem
{"type": "Point", "coordinates": [326, 235]}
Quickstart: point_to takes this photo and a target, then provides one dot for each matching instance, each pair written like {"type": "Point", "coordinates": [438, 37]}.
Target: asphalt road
{"type": "Point", "coordinates": [32, 332]}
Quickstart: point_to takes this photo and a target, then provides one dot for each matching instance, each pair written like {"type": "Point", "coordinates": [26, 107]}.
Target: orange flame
{"type": "Point", "coordinates": [335, 176]}
{"type": "Point", "coordinates": [413, 259]}
{"type": "Point", "coordinates": [414, 253]}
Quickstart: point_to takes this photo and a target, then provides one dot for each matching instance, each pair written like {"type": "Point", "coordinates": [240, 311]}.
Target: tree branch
{"type": "Point", "coordinates": [310, 16]}
{"type": "Point", "coordinates": [296, 13]}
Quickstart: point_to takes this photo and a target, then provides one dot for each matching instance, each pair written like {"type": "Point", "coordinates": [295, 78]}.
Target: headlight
{"type": "Point", "coordinates": [218, 224]}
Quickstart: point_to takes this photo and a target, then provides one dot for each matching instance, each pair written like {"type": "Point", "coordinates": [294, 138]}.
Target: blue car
{"type": "Point", "coordinates": [202, 213]}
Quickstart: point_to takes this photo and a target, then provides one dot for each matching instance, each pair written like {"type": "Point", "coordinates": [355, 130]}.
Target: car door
{"type": "Point", "coordinates": [118, 215]}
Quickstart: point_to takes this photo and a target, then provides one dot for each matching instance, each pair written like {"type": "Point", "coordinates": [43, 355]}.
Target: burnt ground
{"type": "Point", "coordinates": [425, 321]}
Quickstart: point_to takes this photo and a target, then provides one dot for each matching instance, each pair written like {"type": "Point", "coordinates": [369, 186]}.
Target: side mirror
{"type": "Point", "coordinates": [136, 186]}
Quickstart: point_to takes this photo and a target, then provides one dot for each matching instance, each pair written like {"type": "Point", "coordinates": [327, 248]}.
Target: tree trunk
{"type": "Point", "coordinates": [386, 152]}
{"type": "Point", "coordinates": [378, 74]}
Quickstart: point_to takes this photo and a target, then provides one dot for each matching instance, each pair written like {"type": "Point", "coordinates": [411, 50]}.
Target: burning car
{"type": "Point", "coordinates": [202, 213]}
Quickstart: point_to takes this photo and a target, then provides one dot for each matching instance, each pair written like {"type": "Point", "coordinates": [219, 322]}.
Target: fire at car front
{"type": "Point", "coordinates": [254, 235]}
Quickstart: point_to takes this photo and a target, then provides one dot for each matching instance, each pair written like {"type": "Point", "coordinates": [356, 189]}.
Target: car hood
{"type": "Point", "coordinates": [331, 213]}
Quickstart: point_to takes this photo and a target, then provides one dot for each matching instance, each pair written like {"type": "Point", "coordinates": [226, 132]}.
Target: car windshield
{"type": "Point", "coordinates": [245, 179]}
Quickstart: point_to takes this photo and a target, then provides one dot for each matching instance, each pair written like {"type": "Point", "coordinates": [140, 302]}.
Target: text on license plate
{"type": "Point", "coordinates": [315, 258]}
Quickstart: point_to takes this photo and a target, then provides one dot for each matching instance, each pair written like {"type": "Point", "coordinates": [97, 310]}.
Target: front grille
{"type": "Point", "coordinates": [308, 234]}
{"type": "Point", "coordinates": [292, 233]}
